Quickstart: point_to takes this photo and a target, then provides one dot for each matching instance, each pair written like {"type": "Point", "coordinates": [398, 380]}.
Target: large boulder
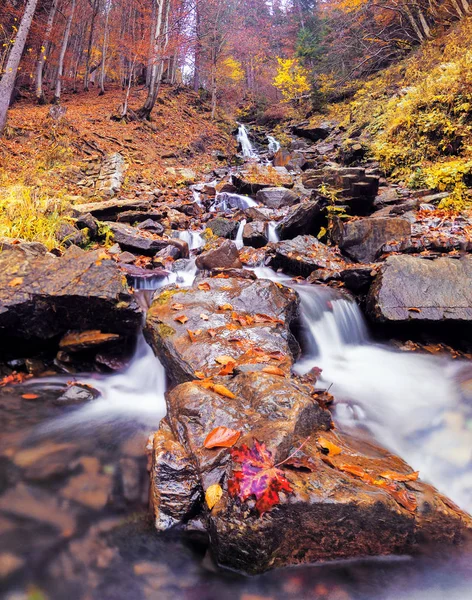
{"type": "Point", "coordinates": [223, 255]}
{"type": "Point", "coordinates": [109, 209]}
{"type": "Point", "coordinates": [363, 239]}
{"type": "Point", "coordinates": [255, 234]}
{"type": "Point", "coordinates": [409, 289]}
{"type": "Point", "coordinates": [305, 254]}
{"type": "Point", "coordinates": [138, 241]}
{"type": "Point", "coordinates": [307, 217]}
{"type": "Point", "coordinates": [260, 177]}
{"type": "Point", "coordinates": [43, 296]}
{"type": "Point", "coordinates": [313, 133]}
{"type": "Point", "coordinates": [277, 197]}
{"type": "Point", "coordinates": [225, 228]}
{"type": "Point", "coordinates": [189, 329]}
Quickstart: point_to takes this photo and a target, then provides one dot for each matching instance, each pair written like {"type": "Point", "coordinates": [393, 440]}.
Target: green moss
{"type": "Point", "coordinates": [165, 296]}
{"type": "Point", "coordinates": [165, 330]}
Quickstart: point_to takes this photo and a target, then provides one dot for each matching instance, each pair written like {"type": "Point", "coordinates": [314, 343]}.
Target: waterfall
{"type": "Point", "coordinates": [239, 236]}
{"type": "Point", "coordinates": [272, 234]}
{"type": "Point", "coordinates": [246, 146]}
{"type": "Point", "coordinates": [273, 145]}
{"type": "Point", "coordinates": [193, 238]}
{"type": "Point", "coordinates": [225, 201]}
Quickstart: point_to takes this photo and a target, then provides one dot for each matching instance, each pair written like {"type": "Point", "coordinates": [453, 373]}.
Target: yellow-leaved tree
{"type": "Point", "coordinates": [291, 79]}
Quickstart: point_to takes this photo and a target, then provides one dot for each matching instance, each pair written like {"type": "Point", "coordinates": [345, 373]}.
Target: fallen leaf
{"type": "Point", "coordinates": [221, 437]}
{"type": "Point", "coordinates": [204, 317]}
{"type": "Point", "coordinates": [225, 307]}
{"type": "Point", "coordinates": [181, 319]}
{"type": "Point", "coordinates": [227, 369]}
{"type": "Point", "coordinates": [274, 371]}
{"type": "Point", "coordinates": [177, 306]}
{"type": "Point", "coordinates": [200, 375]}
{"type": "Point", "coordinates": [223, 391]}
{"type": "Point", "coordinates": [333, 450]}
{"type": "Point", "coordinates": [224, 359]}
{"type": "Point", "coordinates": [393, 476]}
{"type": "Point", "coordinates": [213, 495]}
{"type": "Point", "coordinates": [415, 310]}
{"type": "Point", "coordinates": [16, 281]}
{"type": "Point", "coordinates": [30, 396]}
{"type": "Point", "coordinates": [193, 335]}
{"type": "Point", "coordinates": [205, 286]}
{"type": "Point", "coordinates": [258, 477]}
{"type": "Point", "coordinates": [212, 332]}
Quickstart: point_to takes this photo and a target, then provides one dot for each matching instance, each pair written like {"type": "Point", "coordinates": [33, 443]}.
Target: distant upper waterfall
{"type": "Point", "coordinates": [246, 146]}
{"type": "Point", "coordinates": [274, 145]}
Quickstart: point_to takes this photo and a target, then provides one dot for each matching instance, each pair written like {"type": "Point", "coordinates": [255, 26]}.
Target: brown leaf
{"type": "Point", "coordinates": [213, 495]}
{"type": "Point", "coordinates": [227, 369]}
{"type": "Point", "coordinates": [204, 317]}
{"type": "Point", "coordinates": [193, 335]}
{"type": "Point", "coordinates": [200, 375]}
{"type": "Point", "coordinates": [30, 396]}
{"type": "Point", "coordinates": [181, 319]}
{"type": "Point", "coordinates": [205, 286]}
{"type": "Point", "coordinates": [212, 332]}
{"type": "Point", "coordinates": [16, 281]}
{"type": "Point", "coordinates": [177, 306]}
{"type": "Point", "coordinates": [224, 359]}
{"type": "Point", "coordinates": [221, 437]}
{"type": "Point", "coordinates": [393, 476]}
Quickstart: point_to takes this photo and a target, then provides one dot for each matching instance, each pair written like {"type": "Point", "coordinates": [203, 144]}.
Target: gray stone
{"type": "Point", "coordinates": [306, 218]}
{"type": "Point", "coordinates": [224, 228]}
{"type": "Point", "coordinates": [225, 255]}
{"type": "Point", "coordinates": [276, 197]}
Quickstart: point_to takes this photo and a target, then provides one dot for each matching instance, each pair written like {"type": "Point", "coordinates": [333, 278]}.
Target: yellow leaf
{"type": "Point", "coordinates": [213, 495]}
{"type": "Point", "coordinates": [223, 391]}
{"type": "Point", "coordinates": [16, 281]}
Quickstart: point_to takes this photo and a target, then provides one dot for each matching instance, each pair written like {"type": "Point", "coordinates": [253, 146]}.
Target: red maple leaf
{"type": "Point", "coordinates": [258, 477]}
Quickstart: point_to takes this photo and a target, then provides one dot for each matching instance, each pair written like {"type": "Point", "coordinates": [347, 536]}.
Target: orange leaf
{"type": "Point", "coordinates": [181, 319]}
{"type": "Point", "coordinates": [221, 437]}
{"type": "Point", "coordinates": [274, 371]}
{"type": "Point", "coordinates": [193, 334]}
{"type": "Point", "coordinates": [15, 282]}
{"type": "Point", "coordinates": [200, 374]}
{"type": "Point", "coordinates": [212, 332]}
{"type": "Point", "coordinates": [177, 306]}
{"type": "Point", "coordinates": [393, 476]}
{"type": "Point", "coordinates": [30, 396]}
{"type": "Point", "coordinates": [224, 360]}
{"type": "Point", "coordinates": [223, 391]}
{"type": "Point", "coordinates": [327, 445]}
{"type": "Point", "coordinates": [205, 286]}
{"type": "Point", "coordinates": [225, 307]}
{"type": "Point", "coordinates": [227, 369]}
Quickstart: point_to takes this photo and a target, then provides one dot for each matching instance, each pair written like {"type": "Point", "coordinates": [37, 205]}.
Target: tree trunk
{"type": "Point", "coordinates": [414, 24]}
{"type": "Point", "coordinates": [65, 41]}
{"type": "Point", "coordinates": [44, 53]}
{"type": "Point", "coordinates": [104, 53]}
{"type": "Point", "coordinates": [213, 91]}
{"type": "Point", "coordinates": [89, 45]}
{"type": "Point", "coordinates": [7, 83]}
{"type": "Point", "coordinates": [198, 49]}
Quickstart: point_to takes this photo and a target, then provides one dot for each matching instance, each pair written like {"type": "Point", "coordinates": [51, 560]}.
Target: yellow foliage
{"type": "Point", "coordinates": [29, 215]}
{"type": "Point", "coordinates": [291, 78]}
{"type": "Point", "coordinates": [232, 69]}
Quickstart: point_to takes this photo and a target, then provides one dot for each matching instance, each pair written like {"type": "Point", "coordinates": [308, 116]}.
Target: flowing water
{"type": "Point", "coordinates": [242, 137]}
{"type": "Point", "coordinates": [224, 201]}
{"type": "Point", "coordinates": [272, 234]}
{"type": "Point", "coordinates": [273, 145]}
{"type": "Point", "coordinates": [193, 238]}
{"type": "Point", "coordinates": [239, 235]}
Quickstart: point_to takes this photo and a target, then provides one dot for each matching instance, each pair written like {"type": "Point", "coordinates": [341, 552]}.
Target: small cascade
{"type": "Point", "coordinates": [246, 146]}
{"type": "Point", "coordinates": [239, 236]}
{"type": "Point", "coordinates": [184, 277]}
{"type": "Point", "coordinates": [225, 201]}
{"type": "Point", "coordinates": [273, 145]}
{"type": "Point", "coordinates": [197, 195]}
{"type": "Point", "coordinates": [193, 238]}
{"type": "Point", "coordinates": [272, 234]}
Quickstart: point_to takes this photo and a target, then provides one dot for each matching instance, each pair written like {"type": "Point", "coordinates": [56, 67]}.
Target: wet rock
{"type": "Point", "coordinates": [362, 239]}
{"type": "Point", "coordinates": [46, 460]}
{"type": "Point", "coordinates": [305, 218]}
{"type": "Point", "coordinates": [91, 488]}
{"type": "Point", "coordinates": [175, 488]}
{"type": "Point", "coordinates": [305, 254]}
{"type": "Point", "coordinates": [275, 197]}
{"type": "Point", "coordinates": [88, 222]}
{"type": "Point", "coordinates": [43, 296]}
{"type": "Point", "coordinates": [137, 216]}
{"type": "Point", "coordinates": [130, 479]}
{"type": "Point", "coordinates": [411, 289]}
{"type": "Point", "coordinates": [223, 329]}
{"type": "Point", "coordinates": [255, 234]}
{"type": "Point", "coordinates": [362, 516]}
{"type": "Point", "coordinates": [225, 255]}
{"type": "Point", "coordinates": [77, 394]}
{"type": "Point", "coordinates": [109, 209]}
{"type": "Point", "coordinates": [225, 228]}
{"type": "Point", "coordinates": [9, 564]}
{"type": "Point", "coordinates": [150, 225]}
{"type": "Point", "coordinates": [133, 240]}
{"type": "Point", "coordinates": [171, 252]}
{"type": "Point", "coordinates": [126, 258]}
{"type": "Point", "coordinates": [77, 341]}
{"type": "Point", "coordinates": [312, 133]}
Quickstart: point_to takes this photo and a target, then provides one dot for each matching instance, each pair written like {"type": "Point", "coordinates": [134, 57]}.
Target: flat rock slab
{"type": "Point", "coordinates": [44, 296]}
{"type": "Point", "coordinates": [410, 288]}
{"type": "Point", "coordinates": [147, 243]}
{"type": "Point", "coordinates": [189, 329]}
{"type": "Point", "coordinates": [305, 254]}
{"type": "Point", "coordinates": [109, 209]}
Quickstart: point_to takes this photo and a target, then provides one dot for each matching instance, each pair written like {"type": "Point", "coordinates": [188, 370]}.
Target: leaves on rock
{"type": "Point", "coordinates": [225, 307]}
{"type": "Point", "coordinates": [205, 286]}
{"type": "Point", "coordinates": [213, 495]}
{"type": "Point", "coordinates": [258, 477]}
{"type": "Point", "coordinates": [221, 437]}
{"type": "Point", "coordinates": [393, 476]}
{"type": "Point", "coordinates": [274, 371]}
{"type": "Point", "coordinates": [216, 387]}
{"type": "Point", "coordinates": [193, 335]}
{"type": "Point", "coordinates": [16, 281]}
{"type": "Point", "coordinates": [332, 449]}
{"type": "Point", "coordinates": [181, 319]}
{"type": "Point", "coordinates": [29, 396]}
{"type": "Point", "coordinates": [177, 306]}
